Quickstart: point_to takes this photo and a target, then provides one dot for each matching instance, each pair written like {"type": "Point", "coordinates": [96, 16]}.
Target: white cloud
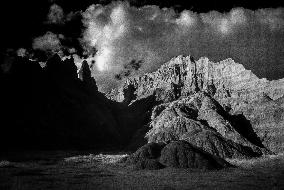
{"type": "Point", "coordinates": [186, 18]}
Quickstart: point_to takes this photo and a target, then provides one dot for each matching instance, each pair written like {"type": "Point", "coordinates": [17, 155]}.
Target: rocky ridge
{"type": "Point", "coordinates": [183, 76]}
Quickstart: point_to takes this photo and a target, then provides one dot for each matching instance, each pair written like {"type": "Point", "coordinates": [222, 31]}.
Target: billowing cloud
{"type": "Point", "coordinates": [121, 33]}
{"type": "Point", "coordinates": [224, 23]}
{"type": "Point", "coordinates": [22, 52]}
{"type": "Point", "coordinates": [48, 42]}
{"type": "Point", "coordinates": [186, 18]}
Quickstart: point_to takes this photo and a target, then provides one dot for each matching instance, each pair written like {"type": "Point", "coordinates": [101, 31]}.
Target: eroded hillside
{"type": "Point", "coordinates": [201, 100]}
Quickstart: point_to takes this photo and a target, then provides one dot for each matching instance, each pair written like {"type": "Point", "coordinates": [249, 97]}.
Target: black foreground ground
{"type": "Point", "coordinates": [85, 171]}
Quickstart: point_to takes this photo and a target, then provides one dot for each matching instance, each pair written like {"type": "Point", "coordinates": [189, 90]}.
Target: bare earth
{"type": "Point", "coordinates": [69, 170]}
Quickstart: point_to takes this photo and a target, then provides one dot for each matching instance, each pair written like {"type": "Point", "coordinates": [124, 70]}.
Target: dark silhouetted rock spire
{"type": "Point", "coordinates": [85, 72]}
{"type": "Point", "coordinates": [85, 75]}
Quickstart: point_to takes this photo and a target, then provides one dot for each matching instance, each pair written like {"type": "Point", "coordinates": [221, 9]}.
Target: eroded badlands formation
{"type": "Point", "coordinates": [221, 107]}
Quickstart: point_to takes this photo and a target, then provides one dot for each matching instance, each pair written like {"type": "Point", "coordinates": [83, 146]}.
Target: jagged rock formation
{"type": "Point", "coordinates": [244, 110]}
{"type": "Point", "coordinates": [183, 76]}
{"type": "Point", "coordinates": [238, 114]}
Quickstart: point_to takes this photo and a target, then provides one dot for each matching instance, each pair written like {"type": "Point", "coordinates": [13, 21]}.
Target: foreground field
{"type": "Point", "coordinates": [69, 170]}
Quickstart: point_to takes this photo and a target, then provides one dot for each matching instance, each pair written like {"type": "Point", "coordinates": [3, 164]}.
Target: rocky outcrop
{"type": "Point", "coordinates": [181, 154]}
{"type": "Point", "coordinates": [204, 123]}
{"type": "Point", "coordinates": [146, 157]}
{"type": "Point", "coordinates": [243, 109]}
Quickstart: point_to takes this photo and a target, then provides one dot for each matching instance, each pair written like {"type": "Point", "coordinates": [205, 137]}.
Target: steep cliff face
{"type": "Point", "coordinates": [229, 98]}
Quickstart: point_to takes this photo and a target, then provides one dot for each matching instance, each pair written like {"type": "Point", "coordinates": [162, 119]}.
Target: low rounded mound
{"type": "Point", "coordinates": [146, 157]}
{"type": "Point", "coordinates": [181, 154]}
{"type": "Point", "coordinates": [213, 143]}
{"type": "Point", "coordinates": [148, 151]}
{"type": "Point", "coordinates": [148, 164]}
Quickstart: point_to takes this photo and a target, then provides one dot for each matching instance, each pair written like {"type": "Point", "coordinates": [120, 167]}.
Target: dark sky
{"type": "Point", "coordinates": [23, 20]}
